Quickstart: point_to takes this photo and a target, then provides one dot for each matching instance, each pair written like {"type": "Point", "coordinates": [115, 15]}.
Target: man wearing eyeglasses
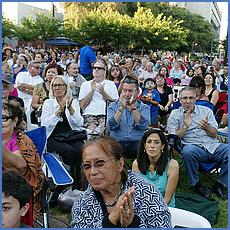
{"type": "Point", "coordinates": [128, 118]}
{"type": "Point", "coordinates": [25, 82]}
{"type": "Point", "coordinates": [197, 128]}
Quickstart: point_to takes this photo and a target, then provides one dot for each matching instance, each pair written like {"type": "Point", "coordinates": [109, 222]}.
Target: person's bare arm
{"type": "Point", "coordinates": [173, 177]}
{"type": "Point", "coordinates": [13, 162]}
{"type": "Point", "coordinates": [87, 99]}
{"type": "Point", "coordinates": [215, 97]}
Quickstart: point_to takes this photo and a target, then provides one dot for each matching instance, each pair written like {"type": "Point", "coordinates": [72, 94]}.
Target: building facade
{"type": "Point", "coordinates": [209, 10]}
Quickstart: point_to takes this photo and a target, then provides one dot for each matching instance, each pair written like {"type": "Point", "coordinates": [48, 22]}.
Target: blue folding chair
{"type": "Point", "coordinates": [54, 167]}
{"type": "Point", "coordinates": [175, 143]}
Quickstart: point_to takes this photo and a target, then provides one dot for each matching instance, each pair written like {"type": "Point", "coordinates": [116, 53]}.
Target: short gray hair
{"type": "Point", "coordinates": [33, 62]}
{"type": "Point", "coordinates": [187, 88]}
{"type": "Point", "coordinates": [65, 80]}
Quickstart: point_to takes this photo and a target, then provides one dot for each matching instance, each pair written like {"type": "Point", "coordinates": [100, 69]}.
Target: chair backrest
{"type": "Point", "coordinates": [205, 103]}
{"type": "Point", "coordinates": [186, 219]}
{"type": "Point", "coordinates": [177, 104]}
{"type": "Point", "coordinates": [38, 136]}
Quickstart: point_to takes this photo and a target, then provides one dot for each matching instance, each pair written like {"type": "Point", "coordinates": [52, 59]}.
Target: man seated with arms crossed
{"type": "Point", "coordinates": [197, 128]}
{"type": "Point", "coordinates": [128, 118]}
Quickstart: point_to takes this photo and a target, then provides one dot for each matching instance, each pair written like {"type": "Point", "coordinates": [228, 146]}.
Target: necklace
{"type": "Point", "coordinates": [109, 205]}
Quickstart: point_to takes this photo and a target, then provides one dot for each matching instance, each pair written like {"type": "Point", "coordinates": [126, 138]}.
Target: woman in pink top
{"type": "Point", "coordinates": [164, 71]}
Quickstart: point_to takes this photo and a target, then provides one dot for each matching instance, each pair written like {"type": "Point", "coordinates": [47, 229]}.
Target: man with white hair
{"type": "Point", "coordinates": [25, 82]}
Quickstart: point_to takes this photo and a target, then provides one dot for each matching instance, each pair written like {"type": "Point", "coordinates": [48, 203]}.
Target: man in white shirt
{"type": "Point", "coordinates": [94, 95]}
{"type": "Point", "coordinates": [25, 82]}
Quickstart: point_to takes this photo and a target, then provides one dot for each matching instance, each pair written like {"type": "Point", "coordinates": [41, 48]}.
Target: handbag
{"type": "Point", "coordinates": [67, 197]}
{"type": "Point", "coordinates": [71, 136]}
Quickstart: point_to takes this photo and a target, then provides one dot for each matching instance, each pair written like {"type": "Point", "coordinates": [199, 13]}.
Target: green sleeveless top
{"type": "Point", "coordinates": [160, 182]}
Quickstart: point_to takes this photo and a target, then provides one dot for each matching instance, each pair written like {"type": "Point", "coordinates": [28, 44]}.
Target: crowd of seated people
{"type": "Point", "coordinates": [118, 99]}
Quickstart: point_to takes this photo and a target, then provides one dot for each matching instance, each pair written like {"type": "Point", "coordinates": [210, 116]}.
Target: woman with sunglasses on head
{"type": "Point", "coordinates": [61, 115]}
{"type": "Point", "coordinates": [154, 164]}
{"type": "Point", "coordinates": [94, 95]}
{"type": "Point", "coordinates": [115, 198]}
{"type": "Point", "coordinates": [19, 154]}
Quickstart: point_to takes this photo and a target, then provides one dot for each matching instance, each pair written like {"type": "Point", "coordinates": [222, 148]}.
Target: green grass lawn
{"type": "Point", "coordinates": [222, 219]}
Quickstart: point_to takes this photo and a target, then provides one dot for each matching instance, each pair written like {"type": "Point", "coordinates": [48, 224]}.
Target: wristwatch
{"type": "Point", "coordinates": [133, 109]}
{"type": "Point", "coordinates": [121, 109]}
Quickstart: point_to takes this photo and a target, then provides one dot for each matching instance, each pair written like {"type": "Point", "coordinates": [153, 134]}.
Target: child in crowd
{"type": "Point", "coordinates": [16, 193]}
{"type": "Point", "coordinates": [151, 97]}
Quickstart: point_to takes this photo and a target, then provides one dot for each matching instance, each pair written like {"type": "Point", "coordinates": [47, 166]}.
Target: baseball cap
{"type": "Point", "coordinates": [7, 78]}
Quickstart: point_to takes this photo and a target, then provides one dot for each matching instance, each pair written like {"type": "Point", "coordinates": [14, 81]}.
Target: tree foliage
{"type": "Point", "coordinates": [8, 28]}
{"type": "Point", "coordinates": [42, 27]}
{"type": "Point", "coordinates": [144, 30]}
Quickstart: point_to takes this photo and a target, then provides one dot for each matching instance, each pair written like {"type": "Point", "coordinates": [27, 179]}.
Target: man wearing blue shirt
{"type": "Point", "coordinates": [128, 118]}
{"type": "Point", "coordinates": [87, 58]}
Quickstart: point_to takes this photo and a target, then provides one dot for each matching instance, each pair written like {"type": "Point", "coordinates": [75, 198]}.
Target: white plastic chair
{"type": "Point", "coordinates": [186, 219]}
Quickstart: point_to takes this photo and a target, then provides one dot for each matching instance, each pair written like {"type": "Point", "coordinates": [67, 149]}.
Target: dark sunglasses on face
{"type": "Point", "coordinates": [98, 67]}
{"type": "Point", "coordinates": [6, 118]}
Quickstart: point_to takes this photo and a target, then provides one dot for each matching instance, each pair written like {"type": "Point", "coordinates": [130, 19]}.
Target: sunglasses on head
{"type": "Point", "coordinates": [130, 80]}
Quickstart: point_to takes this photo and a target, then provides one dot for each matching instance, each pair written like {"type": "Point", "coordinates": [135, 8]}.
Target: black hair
{"type": "Point", "coordinates": [197, 82]}
{"type": "Point", "coordinates": [53, 65]}
{"type": "Point", "coordinates": [143, 158]}
{"type": "Point", "coordinates": [165, 84]}
{"type": "Point", "coordinates": [176, 80]}
{"type": "Point", "coordinates": [167, 71]}
{"type": "Point", "coordinates": [16, 186]}
{"type": "Point", "coordinates": [149, 79]}
{"type": "Point", "coordinates": [38, 52]}
{"type": "Point", "coordinates": [188, 70]}
{"type": "Point", "coordinates": [110, 71]}
{"type": "Point", "coordinates": [213, 79]}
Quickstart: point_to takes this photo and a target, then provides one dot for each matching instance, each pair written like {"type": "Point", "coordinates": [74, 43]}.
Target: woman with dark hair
{"type": "Point", "coordinates": [166, 95]}
{"type": "Point", "coordinates": [198, 84]}
{"type": "Point", "coordinates": [115, 198]}
{"type": "Point", "coordinates": [41, 91]}
{"type": "Point", "coordinates": [200, 71]}
{"type": "Point", "coordinates": [210, 91]}
{"type": "Point", "coordinates": [187, 77]}
{"type": "Point", "coordinates": [153, 164]}
{"type": "Point", "coordinates": [164, 71]}
{"type": "Point", "coordinates": [53, 57]}
{"type": "Point", "coordinates": [115, 75]}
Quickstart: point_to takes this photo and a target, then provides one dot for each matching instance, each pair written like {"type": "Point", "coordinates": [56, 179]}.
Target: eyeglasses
{"type": "Point", "coordinates": [98, 67]}
{"type": "Point", "coordinates": [96, 164]}
{"type": "Point", "coordinates": [6, 118]}
{"type": "Point", "coordinates": [58, 85]}
{"type": "Point", "coordinates": [186, 98]}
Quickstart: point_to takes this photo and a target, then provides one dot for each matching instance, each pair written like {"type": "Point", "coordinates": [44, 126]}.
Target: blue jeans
{"type": "Point", "coordinates": [193, 154]}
